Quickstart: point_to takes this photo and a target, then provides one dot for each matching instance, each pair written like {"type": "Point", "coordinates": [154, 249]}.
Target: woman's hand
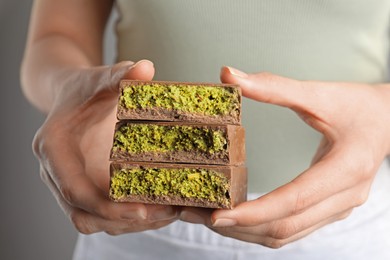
{"type": "Point", "coordinates": [355, 122]}
{"type": "Point", "coordinates": [73, 147]}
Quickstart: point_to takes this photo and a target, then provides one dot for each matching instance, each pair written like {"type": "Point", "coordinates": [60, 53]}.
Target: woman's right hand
{"type": "Point", "coordinates": [73, 147]}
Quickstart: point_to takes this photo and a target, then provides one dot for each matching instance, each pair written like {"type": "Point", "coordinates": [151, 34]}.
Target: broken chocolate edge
{"type": "Point", "coordinates": [237, 176]}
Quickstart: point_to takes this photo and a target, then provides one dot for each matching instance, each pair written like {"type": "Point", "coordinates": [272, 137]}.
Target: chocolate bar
{"type": "Point", "coordinates": [178, 184]}
{"type": "Point", "coordinates": [179, 101]}
{"type": "Point", "coordinates": [179, 142]}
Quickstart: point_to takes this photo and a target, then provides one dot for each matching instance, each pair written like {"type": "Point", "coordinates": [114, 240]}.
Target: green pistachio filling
{"type": "Point", "coordinates": [138, 138]}
{"type": "Point", "coordinates": [183, 182]}
{"type": "Point", "coordinates": [207, 100]}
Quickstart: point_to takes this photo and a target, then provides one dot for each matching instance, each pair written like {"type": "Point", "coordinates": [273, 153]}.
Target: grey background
{"type": "Point", "coordinates": [32, 226]}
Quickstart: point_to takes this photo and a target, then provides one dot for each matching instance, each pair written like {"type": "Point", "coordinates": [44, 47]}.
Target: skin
{"type": "Point", "coordinates": [356, 139]}
{"type": "Point", "coordinates": [63, 77]}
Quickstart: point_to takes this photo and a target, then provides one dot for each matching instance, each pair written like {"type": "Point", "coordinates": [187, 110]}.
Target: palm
{"type": "Point", "coordinates": [96, 141]}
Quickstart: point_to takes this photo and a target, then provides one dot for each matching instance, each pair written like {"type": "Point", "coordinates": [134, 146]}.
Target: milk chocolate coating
{"type": "Point", "coordinates": [163, 114]}
{"type": "Point", "coordinates": [237, 193]}
{"type": "Point", "coordinates": [233, 154]}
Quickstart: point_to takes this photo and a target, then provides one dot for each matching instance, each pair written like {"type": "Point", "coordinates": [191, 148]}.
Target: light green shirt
{"type": "Point", "coordinates": [330, 40]}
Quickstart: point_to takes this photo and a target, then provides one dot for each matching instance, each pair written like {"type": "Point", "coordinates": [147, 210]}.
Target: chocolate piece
{"type": "Point", "coordinates": [178, 184]}
{"type": "Point", "coordinates": [201, 134]}
{"type": "Point", "coordinates": [180, 101]}
{"type": "Point", "coordinates": [178, 142]}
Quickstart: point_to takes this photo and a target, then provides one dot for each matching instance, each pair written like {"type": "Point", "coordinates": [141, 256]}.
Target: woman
{"type": "Point", "coordinates": [332, 58]}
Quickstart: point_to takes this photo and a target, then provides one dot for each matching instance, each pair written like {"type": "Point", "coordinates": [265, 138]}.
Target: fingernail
{"type": "Point", "coordinates": [142, 61]}
{"type": "Point", "coordinates": [135, 214]}
{"type": "Point", "coordinates": [126, 63]}
{"type": "Point", "coordinates": [224, 222]}
{"type": "Point", "coordinates": [236, 72]}
{"type": "Point", "coordinates": [191, 217]}
{"type": "Point", "coordinates": [163, 214]}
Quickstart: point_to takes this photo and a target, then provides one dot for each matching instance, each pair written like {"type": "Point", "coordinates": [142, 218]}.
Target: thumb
{"type": "Point", "coordinates": [273, 89]}
{"type": "Point", "coordinates": [108, 77]}
{"type": "Point", "coordinates": [142, 70]}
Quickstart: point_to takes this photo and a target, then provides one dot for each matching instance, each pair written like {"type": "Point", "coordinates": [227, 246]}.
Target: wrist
{"type": "Point", "coordinates": [46, 64]}
{"type": "Point", "coordinates": [44, 90]}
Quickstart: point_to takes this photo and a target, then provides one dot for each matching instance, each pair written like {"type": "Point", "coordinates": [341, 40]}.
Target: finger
{"type": "Point", "coordinates": [66, 208]}
{"type": "Point", "coordinates": [142, 70]}
{"type": "Point", "coordinates": [80, 192]}
{"type": "Point", "coordinates": [108, 77]}
{"type": "Point", "coordinates": [138, 226]}
{"type": "Point", "coordinates": [323, 149]}
{"type": "Point", "coordinates": [90, 199]}
{"type": "Point", "coordinates": [161, 212]}
{"type": "Point", "coordinates": [66, 169]}
{"type": "Point", "coordinates": [331, 208]}
{"type": "Point", "coordinates": [272, 242]}
{"type": "Point", "coordinates": [196, 215]}
{"type": "Point", "coordinates": [334, 174]}
{"type": "Point", "coordinates": [309, 100]}
{"type": "Point", "coordinates": [268, 88]}
{"type": "Point", "coordinates": [83, 221]}
{"type": "Point", "coordinates": [87, 223]}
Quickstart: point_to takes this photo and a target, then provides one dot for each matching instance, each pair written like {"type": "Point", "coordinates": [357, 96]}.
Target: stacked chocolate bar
{"type": "Point", "coordinates": [179, 143]}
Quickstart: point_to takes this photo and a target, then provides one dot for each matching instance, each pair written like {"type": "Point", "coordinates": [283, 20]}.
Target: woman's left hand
{"type": "Point", "coordinates": [355, 122]}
